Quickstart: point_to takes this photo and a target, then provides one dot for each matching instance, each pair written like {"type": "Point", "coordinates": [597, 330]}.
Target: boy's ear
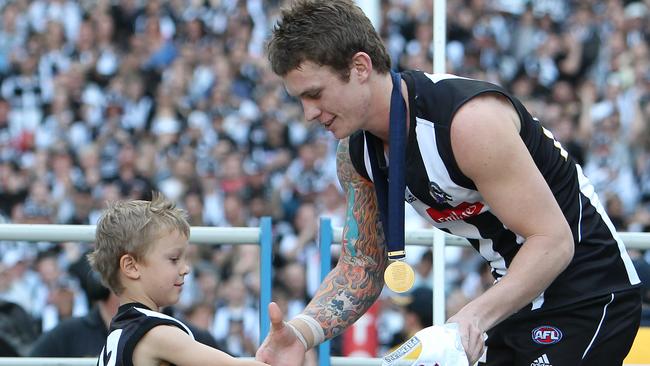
{"type": "Point", "coordinates": [129, 266]}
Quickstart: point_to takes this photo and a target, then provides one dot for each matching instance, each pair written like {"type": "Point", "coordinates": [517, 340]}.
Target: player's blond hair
{"type": "Point", "coordinates": [130, 227]}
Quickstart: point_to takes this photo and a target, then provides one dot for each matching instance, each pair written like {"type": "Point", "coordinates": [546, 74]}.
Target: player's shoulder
{"type": "Point", "coordinates": [480, 114]}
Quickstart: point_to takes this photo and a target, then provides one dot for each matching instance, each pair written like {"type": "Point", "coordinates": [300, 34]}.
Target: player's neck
{"type": "Point", "coordinates": [379, 108]}
{"type": "Point", "coordinates": [379, 121]}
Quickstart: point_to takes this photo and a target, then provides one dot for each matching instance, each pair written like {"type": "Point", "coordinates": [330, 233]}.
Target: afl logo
{"type": "Point", "coordinates": [546, 334]}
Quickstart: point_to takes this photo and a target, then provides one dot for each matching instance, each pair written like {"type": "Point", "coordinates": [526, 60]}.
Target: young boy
{"type": "Point", "coordinates": [139, 252]}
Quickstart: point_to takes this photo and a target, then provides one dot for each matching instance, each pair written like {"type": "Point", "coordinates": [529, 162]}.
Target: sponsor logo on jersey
{"type": "Point", "coordinates": [438, 194]}
{"type": "Point", "coordinates": [461, 212]}
{"type": "Point", "coordinates": [410, 198]}
{"type": "Point", "coordinates": [546, 334]}
{"type": "Point", "coordinates": [542, 361]}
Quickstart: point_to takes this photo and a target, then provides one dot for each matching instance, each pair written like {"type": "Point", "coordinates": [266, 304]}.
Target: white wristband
{"type": "Point", "coordinates": [316, 329]}
{"type": "Point", "coordinates": [299, 335]}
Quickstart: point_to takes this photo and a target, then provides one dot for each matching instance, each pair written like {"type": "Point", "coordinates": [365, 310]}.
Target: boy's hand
{"type": "Point", "coordinates": [281, 346]}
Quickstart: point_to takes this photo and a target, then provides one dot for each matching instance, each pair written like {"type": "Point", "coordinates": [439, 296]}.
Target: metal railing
{"type": "Point", "coordinates": [262, 235]}
{"type": "Point", "coordinates": [438, 240]}
{"type": "Point", "coordinates": [47, 361]}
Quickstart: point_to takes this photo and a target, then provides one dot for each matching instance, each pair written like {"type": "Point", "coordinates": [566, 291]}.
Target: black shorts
{"type": "Point", "coordinates": [595, 332]}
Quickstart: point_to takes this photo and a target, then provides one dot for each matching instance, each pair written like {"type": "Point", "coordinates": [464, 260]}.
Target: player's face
{"type": "Point", "coordinates": [339, 106]}
{"type": "Point", "coordinates": [164, 269]}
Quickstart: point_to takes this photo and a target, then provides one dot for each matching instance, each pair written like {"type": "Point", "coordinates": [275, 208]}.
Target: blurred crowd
{"type": "Point", "coordinates": [106, 100]}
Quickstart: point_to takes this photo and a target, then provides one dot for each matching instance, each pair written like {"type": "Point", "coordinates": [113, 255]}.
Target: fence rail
{"type": "Point", "coordinates": [261, 236]}
{"type": "Point", "coordinates": [632, 240]}
{"type": "Point", "coordinates": [439, 239]}
{"type": "Point", "coordinates": [40, 361]}
{"type": "Point", "coordinates": [86, 233]}
{"type": "Point", "coordinates": [46, 361]}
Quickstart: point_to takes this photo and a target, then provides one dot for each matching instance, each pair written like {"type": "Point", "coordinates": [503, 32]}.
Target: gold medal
{"type": "Point", "coordinates": [399, 276]}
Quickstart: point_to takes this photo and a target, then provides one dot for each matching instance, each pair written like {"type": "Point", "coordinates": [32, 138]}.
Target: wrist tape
{"type": "Point", "coordinates": [309, 329]}
{"type": "Point", "coordinates": [299, 335]}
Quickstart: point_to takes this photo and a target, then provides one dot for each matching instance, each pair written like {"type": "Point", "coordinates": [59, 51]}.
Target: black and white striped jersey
{"type": "Point", "coordinates": [128, 326]}
{"type": "Point", "coordinates": [449, 200]}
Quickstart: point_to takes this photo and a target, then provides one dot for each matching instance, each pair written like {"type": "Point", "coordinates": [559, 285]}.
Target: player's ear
{"type": "Point", "coordinates": [361, 66]}
{"type": "Point", "coordinates": [129, 266]}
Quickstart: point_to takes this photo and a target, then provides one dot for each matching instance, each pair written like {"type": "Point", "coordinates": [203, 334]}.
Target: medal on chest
{"type": "Point", "coordinates": [399, 276]}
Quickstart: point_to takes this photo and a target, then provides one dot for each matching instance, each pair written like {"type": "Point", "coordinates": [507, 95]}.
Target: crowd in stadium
{"type": "Point", "coordinates": [106, 100]}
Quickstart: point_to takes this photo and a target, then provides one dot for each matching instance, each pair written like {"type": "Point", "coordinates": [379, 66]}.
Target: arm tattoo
{"type": "Point", "coordinates": [357, 280]}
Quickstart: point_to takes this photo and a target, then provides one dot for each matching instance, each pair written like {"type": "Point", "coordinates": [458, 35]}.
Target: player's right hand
{"type": "Point", "coordinates": [281, 346]}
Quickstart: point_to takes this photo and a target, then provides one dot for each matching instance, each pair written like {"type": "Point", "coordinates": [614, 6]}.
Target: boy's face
{"type": "Point", "coordinates": [164, 268]}
{"type": "Point", "coordinates": [339, 106]}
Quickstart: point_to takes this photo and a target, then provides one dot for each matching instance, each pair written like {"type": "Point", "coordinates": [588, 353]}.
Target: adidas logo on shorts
{"type": "Point", "coordinates": [542, 361]}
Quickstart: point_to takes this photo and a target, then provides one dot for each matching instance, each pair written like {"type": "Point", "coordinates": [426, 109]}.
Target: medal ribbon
{"type": "Point", "coordinates": [391, 199]}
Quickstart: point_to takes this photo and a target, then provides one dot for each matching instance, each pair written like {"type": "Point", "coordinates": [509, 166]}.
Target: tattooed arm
{"type": "Point", "coordinates": [357, 280]}
{"type": "Point", "coordinates": [349, 289]}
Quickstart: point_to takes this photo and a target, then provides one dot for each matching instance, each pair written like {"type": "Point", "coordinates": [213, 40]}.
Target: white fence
{"type": "Point", "coordinates": [438, 239]}
{"type": "Point", "coordinates": [205, 235]}
{"type": "Point", "coordinates": [261, 236]}
{"type": "Point", "coordinates": [41, 361]}
{"type": "Point", "coordinates": [86, 233]}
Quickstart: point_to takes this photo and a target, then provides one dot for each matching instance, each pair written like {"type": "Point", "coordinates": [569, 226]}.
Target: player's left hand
{"type": "Point", "coordinates": [471, 335]}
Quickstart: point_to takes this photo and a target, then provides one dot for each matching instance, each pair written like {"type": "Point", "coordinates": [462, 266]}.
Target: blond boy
{"type": "Point", "coordinates": [140, 253]}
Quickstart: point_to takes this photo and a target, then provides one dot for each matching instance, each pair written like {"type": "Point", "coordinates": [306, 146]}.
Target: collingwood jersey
{"type": "Point", "coordinates": [129, 325]}
{"type": "Point", "coordinates": [449, 200]}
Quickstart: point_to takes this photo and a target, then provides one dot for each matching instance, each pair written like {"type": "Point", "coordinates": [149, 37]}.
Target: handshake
{"type": "Point", "coordinates": [440, 345]}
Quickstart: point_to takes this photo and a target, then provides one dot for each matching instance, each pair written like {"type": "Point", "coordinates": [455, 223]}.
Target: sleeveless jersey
{"type": "Point", "coordinates": [128, 326]}
{"type": "Point", "coordinates": [449, 200]}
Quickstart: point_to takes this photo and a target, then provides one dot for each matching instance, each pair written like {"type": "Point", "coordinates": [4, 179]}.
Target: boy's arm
{"type": "Point", "coordinates": [357, 280]}
{"type": "Point", "coordinates": [171, 344]}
